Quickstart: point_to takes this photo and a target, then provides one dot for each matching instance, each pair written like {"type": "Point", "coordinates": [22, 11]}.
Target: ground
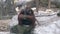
{"type": "Point", "coordinates": [4, 25]}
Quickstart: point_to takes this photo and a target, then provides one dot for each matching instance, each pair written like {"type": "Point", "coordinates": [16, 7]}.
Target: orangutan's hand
{"type": "Point", "coordinates": [21, 16]}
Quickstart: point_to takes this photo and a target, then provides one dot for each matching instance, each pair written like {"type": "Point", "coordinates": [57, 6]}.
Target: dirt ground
{"type": "Point", "coordinates": [4, 25]}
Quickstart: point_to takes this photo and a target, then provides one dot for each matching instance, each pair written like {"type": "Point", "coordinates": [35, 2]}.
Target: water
{"type": "Point", "coordinates": [49, 25]}
{"type": "Point", "coordinates": [4, 32]}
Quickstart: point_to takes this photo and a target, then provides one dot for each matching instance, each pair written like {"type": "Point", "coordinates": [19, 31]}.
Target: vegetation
{"type": "Point", "coordinates": [7, 8]}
